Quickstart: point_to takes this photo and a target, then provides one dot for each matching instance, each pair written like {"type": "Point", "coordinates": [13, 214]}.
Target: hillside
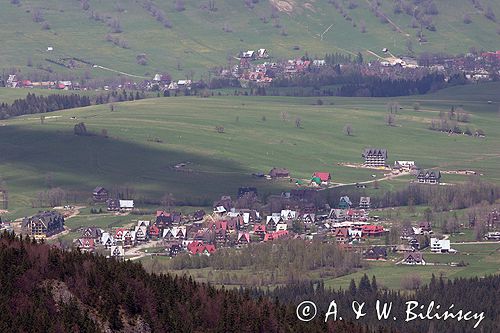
{"type": "Point", "coordinates": [187, 37]}
{"type": "Point", "coordinates": [149, 138]}
{"type": "Point", "coordinates": [48, 290]}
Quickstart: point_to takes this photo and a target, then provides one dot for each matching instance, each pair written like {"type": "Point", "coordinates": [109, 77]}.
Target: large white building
{"type": "Point", "coordinates": [440, 245]}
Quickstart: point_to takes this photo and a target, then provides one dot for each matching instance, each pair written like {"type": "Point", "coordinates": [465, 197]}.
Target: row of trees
{"type": "Point", "coordinates": [100, 294]}
{"type": "Point", "coordinates": [282, 255]}
{"type": "Point", "coordinates": [474, 294]}
{"type": "Point", "coordinates": [41, 104]}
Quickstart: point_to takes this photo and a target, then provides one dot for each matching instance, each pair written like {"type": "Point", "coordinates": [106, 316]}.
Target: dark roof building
{"type": "Point", "coordinates": [375, 157]}
{"type": "Point", "coordinates": [279, 173]}
{"type": "Point", "coordinates": [100, 194]}
{"type": "Point", "coordinates": [44, 224]}
{"type": "Point", "coordinates": [429, 176]}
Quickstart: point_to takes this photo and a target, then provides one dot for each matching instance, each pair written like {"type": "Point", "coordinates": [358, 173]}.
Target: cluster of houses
{"type": "Point", "coordinates": [228, 226]}
{"type": "Point", "coordinates": [14, 82]}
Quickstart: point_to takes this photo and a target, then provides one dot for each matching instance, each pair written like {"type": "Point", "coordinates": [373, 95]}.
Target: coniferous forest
{"type": "Point", "coordinates": [45, 289]}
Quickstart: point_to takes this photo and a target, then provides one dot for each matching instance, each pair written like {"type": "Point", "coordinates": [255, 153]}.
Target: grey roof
{"type": "Point", "coordinates": [429, 174]}
{"type": "Point", "coordinates": [374, 151]}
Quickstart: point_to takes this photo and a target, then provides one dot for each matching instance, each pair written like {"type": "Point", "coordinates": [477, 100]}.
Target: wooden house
{"type": "Point", "coordinates": [100, 194]}
{"type": "Point", "coordinates": [279, 173]}
{"type": "Point", "coordinates": [429, 176]}
{"type": "Point", "coordinates": [44, 224]}
{"type": "Point", "coordinates": [414, 258]}
{"type": "Point", "coordinates": [364, 203]}
{"type": "Point", "coordinates": [375, 157]}
{"type": "Point", "coordinates": [345, 202]}
{"type": "Point", "coordinates": [375, 253]}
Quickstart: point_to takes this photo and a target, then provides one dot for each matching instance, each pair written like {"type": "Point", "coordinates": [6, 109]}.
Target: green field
{"type": "Point", "coordinates": [219, 163]}
{"type": "Point", "coordinates": [480, 260]}
{"type": "Point", "coordinates": [196, 41]}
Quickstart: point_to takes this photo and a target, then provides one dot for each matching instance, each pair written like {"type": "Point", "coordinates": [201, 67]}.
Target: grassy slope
{"type": "Point", "coordinates": [223, 162]}
{"type": "Point", "coordinates": [197, 41]}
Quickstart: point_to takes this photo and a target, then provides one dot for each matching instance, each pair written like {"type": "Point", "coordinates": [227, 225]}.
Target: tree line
{"type": "Point", "coordinates": [474, 294]}
{"type": "Point", "coordinates": [45, 289]}
{"type": "Point", "coordinates": [291, 258]}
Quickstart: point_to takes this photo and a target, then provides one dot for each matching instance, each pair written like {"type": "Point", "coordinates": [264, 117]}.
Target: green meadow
{"type": "Point", "coordinates": [196, 41]}
{"type": "Point", "coordinates": [148, 138]}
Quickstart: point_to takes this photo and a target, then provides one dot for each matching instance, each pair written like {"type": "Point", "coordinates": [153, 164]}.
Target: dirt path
{"type": "Point", "coordinates": [137, 254]}
{"type": "Point", "coordinates": [115, 71]}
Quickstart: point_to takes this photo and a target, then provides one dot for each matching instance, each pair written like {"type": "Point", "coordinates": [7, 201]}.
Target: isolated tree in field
{"type": "Point", "coordinates": [362, 26]}
{"type": "Point", "coordinates": [390, 119]}
{"type": "Point", "coordinates": [115, 26]}
{"type": "Point", "coordinates": [80, 129]}
{"type": "Point", "coordinates": [284, 115]}
{"type": "Point", "coordinates": [490, 14]}
{"type": "Point", "coordinates": [37, 15]}
{"type": "Point", "coordinates": [180, 5]}
{"type": "Point", "coordinates": [45, 26]}
{"type": "Point", "coordinates": [348, 130]}
{"type": "Point", "coordinates": [410, 282]}
{"type": "Point", "coordinates": [263, 118]}
{"type": "Point", "coordinates": [85, 4]}
{"type": "Point", "coordinates": [409, 46]}
{"type": "Point", "coordinates": [142, 59]}
{"type": "Point", "coordinates": [298, 122]}
{"type": "Point", "coordinates": [466, 19]}
{"type": "Point", "coordinates": [42, 119]}
{"type": "Point", "coordinates": [104, 133]}
{"type": "Point", "coordinates": [416, 106]}
{"type": "Point", "coordinates": [111, 107]}
{"type": "Point", "coordinates": [219, 129]}
{"type": "Point", "coordinates": [167, 200]}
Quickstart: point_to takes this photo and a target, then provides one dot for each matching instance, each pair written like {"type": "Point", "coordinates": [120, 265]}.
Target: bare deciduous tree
{"type": "Point", "coordinates": [348, 130]}
{"type": "Point", "coordinates": [298, 122]}
{"type": "Point", "coordinates": [390, 119]}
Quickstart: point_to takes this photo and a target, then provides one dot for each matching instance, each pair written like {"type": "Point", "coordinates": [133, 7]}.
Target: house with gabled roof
{"type": "Point", "coordinates": [345, 202]}
{"type": "Point", "coordinates": [92, 233]}
{"type": "Point", "coordinates": [414, 258]}
{"type": "Point", "coordinates": [117, 251]}
{"type": "Point", "coordinates": [375, 157]}
{"type": "Point", "coordinates": [336, 215]}
{"type": "Point", "coordinates": [356, 215]}
{"type": "Point", "coordinates": [279, 173]}
{"type": "Point", "coordinates": [141, 233]}
{"type": "Point", "coordinates": [243, 238]}
{"type": "Point", "coordinates": [272, 221]}
{"type": "Point", "coordinates": [167, 219]}
{"type": "Point", "coordinates": [128, 238]}
{"type": "Point", "coordinates": [107, 240]}
{"type": "Point", "coordinates": [86, 244]}
{"type": "Point", "coordinates": [341, 235]}
{"type": "Point", "coordinates": [429, 176]}
{"type": "Point", "coordinates": [154, 231]}
{"type": "Point", "coordinates": [44, 224]}
{"type": "Point", "coordinates": [324, 177]}
{"type": "Point", "coordinates": [309, 218]}
{"type": "Point", "coordinates": [375, 253]}
{"type": "Point", "coordinates": [270, 236]}
{"type": "Point", "coordinates": [287, 214]}
{"type": "Point", "coordinates": [364, 203]}
{"type": "Point", "coordinates": [372, 230]}
{"type": "Point", "coordinates": [259, 230]}
{"type": "Point", "coordinates": [100, 194]}
{"type": "Point", "coordinates": [119, 234]}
